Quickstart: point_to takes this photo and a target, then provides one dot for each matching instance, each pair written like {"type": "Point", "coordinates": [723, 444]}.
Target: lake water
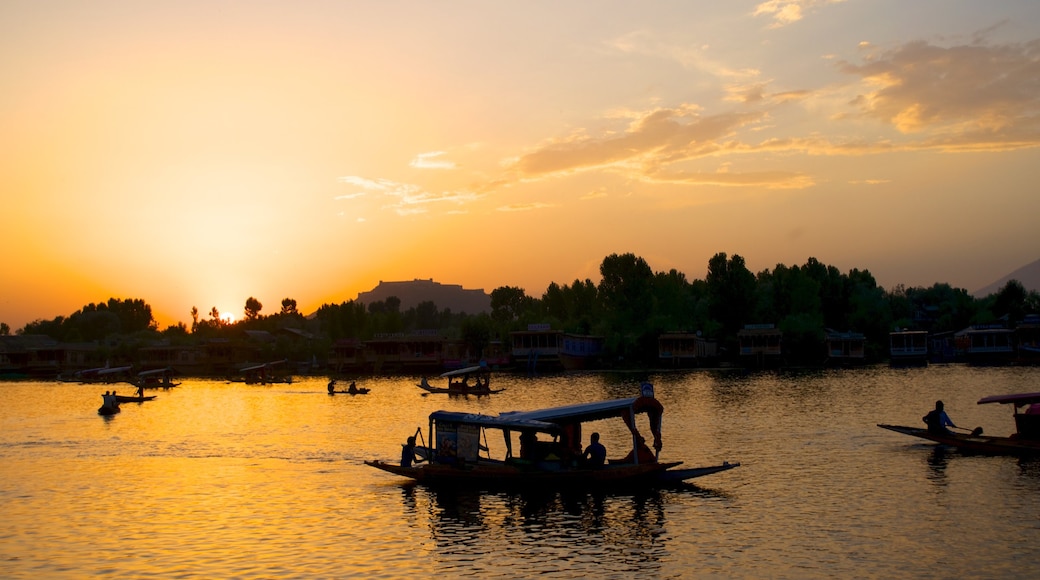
{"type": "Point", "coordinates": [218, 480]}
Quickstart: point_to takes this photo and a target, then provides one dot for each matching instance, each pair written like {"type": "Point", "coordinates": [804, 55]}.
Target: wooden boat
{"type": "Point", "coordinates": [109, 405]}
{"type": "Point", "coordinates": [155, 379]}
{"type": "Point", "coordinates": [1025, 441]}
{"type": "Point", "coordinates": [352, 390]}
{"type": "Point", "coordinates": [265, 374]}
{"type": "Point", "coordinates": [550, 453]}
{"type": "Point", "coordinates": [133, 398]}
{"type": "Point", "coordinates": [459, 382]}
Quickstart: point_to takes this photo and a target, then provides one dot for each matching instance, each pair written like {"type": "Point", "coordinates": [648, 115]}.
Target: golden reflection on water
{"type": "Point", "coordinates": [226, 480]}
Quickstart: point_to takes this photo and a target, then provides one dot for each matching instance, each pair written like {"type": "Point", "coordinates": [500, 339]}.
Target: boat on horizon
{"type": "Point", "coordinates": [1025, 440]}
{"type": "Point", "coordinates": [549, 449]}
{"type": "Point", "coordinates": [459, 382]}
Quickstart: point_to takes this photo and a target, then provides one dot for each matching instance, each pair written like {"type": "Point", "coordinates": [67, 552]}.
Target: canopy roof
{"type": "Point", "coordinates": [154, 372]}
{"type": "Point", "coordinates": [499, 422]}
{"type": "Point", "coordinates": [465, 371]}
{"type": "Point", "coordinates": [578, 413]}
{"type": "Point", "coordinates": [1018, 399]}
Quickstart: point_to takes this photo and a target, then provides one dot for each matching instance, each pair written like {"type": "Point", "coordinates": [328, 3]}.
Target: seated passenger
{"type": "Point", "coordinates": [595, 454]}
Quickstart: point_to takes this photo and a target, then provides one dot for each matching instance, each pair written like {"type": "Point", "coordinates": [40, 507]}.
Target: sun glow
{"type": "Point", "coordinates": [227, 317]}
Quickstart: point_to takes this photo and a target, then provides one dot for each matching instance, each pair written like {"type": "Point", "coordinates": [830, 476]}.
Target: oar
{"type": "Point", "coordinates": [974, 432]}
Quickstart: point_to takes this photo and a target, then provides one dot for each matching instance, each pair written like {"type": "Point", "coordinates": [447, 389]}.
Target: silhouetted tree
{"type": "Point", "coordinates": [509, 304]}
{"type": "Point", "coordinates": [253, 308]}
{"type": "Point", "coordinates": [289, 306]}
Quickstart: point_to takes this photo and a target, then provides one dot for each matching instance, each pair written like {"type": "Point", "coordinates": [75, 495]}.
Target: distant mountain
{"type": "Point", "coordinates": [451, 296]}
{"type": "Point", "coordinates": [1029, 276]}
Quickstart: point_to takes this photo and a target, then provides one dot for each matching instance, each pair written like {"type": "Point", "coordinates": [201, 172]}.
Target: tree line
{"type": "Point", "coordinates": [630, 307]}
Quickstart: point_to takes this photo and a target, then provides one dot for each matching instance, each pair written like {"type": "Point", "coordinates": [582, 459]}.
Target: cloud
{"type": "Point", "coordinates": [430, 161]}
{"type": "Point", "coordinates": [786, 12]}
{"type": "Point", "coordinates": [660, 136]}
{"type": "Point", "coordinates": [405, 198]}
{"type": "Point", "coordinates": [525, 206]}
{"type": "Point", "coordinates": [961, 97]}
{"type": "Point", "coordinates": [645, 43]}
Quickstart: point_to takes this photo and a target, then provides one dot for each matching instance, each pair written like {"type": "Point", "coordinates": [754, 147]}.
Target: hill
{"type": "Point", "coordinates": [451, 296]}
{"type": "Point", "coordinates": [1028, 275]}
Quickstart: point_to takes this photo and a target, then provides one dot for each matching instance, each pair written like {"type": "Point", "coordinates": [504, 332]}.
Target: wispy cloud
{"type": "Point", "coordinates": [525, 206]}
{"type": "Point", "coordinates": [784, 12]}
{"type": "Point", "coordinates": [645, 43]}
{"type": "Point", "coordinates": [405, 198]}
{"type": "Point", "coordinates": [431, 161]}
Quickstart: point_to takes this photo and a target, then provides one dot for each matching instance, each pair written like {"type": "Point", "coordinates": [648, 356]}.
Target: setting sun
{"type": "Point", "coordinates": [227, 317]}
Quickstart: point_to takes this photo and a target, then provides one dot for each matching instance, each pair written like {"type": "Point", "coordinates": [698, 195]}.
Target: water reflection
{"type": "Point", "coordinates": [619, 530]}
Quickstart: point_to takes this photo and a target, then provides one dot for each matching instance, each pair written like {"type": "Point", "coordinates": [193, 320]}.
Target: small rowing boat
{"type": "Point", "coordinates": [1025, 441]}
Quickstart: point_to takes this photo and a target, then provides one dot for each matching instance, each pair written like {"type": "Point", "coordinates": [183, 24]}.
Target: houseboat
{"type": "Point", "coordinates": [908, 348]}
{"type": "Point", "coordinates": [760, 345]}
{"type": "Point", "coordinates": [686, 350]}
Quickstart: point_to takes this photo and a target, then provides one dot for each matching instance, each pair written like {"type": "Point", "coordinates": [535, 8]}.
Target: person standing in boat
{"type": "Point", "coordinates": [595, 454]}
{"type": "Point", "coordinates": [332, 386]}
{"type": "Point", "coordinates": [938, 421]}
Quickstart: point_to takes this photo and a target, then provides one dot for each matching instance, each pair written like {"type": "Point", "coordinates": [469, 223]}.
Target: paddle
{"type": "Point", "coordinates": [974, 432]}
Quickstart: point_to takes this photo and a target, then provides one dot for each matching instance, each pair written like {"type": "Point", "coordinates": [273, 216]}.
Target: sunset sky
{"type": "Point", "coordinates": [198, 153]}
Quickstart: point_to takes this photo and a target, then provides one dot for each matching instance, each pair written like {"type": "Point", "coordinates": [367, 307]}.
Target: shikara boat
{"type": "Point", "coordinates": [133, 398]}
{"type": "Point", "coordinates": [459, 382]}
{"type": "Point", "coordinates": [550, 453]}
{"type": "Point", "coordinates": [352, 390]}
{"type": "Point", "coordinates": [155, 379]}
{"type": "Point", "coordinates": [1025, 441]}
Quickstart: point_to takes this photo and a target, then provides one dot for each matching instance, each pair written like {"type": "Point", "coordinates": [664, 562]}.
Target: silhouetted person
{"type": "Point", "coordinates": [937, 420]}
{"type": "Point", "coordinates": [595, 454]}
{"type": "Point", "coordinates": [408, 453]}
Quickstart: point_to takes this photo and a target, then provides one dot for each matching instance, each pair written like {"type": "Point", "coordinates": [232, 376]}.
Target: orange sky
{"type": "Point", "coordinates": [199, 153]}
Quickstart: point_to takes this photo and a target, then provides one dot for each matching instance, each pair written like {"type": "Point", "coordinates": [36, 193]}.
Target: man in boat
{"type": "Point", "coordinates": [595, 454]}
{"type": "Point", "coordinates": [938, 421]}
{"type": "Point", "coordinates": [332, 386]}
{"type": "Point", "coordinates": [408, 452]}
{"type": "Point", "coordinates": [353, 388]}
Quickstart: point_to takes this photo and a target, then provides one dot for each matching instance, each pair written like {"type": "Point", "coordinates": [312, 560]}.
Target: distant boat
{"type": "Point", "coordinates": [155, 379]}
{"type": "Point", "coordinates": [133, 398]}
{"type": "Point", "coordinates": [459, 382]}
{"type": "Point", "coordinates": [265, 374]}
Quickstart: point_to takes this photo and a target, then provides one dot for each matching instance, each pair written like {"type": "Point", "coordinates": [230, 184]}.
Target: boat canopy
{"type": "Point", "coordinates": [500, 422]}
{"type": "Point", "coordinates": [465, 371]}
{"type": "Point", "coordinates": [578, 413]}
{"type": "Point", "coordinates": [1018, 399]}
{"type": "Point", "coordinates": [108, 371]}
{"type": "Point", "coordinates": [154, 372]}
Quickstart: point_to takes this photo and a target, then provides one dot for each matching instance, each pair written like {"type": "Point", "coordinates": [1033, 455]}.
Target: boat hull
{"type": "Point", "coordinates": [130, 399]}
{"type": "Point", "coordinates": [449, 391]}
{"type": "Point", "coordinates": [499, 475]}
{"type": "Point", "coordinates": [985, 444]}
